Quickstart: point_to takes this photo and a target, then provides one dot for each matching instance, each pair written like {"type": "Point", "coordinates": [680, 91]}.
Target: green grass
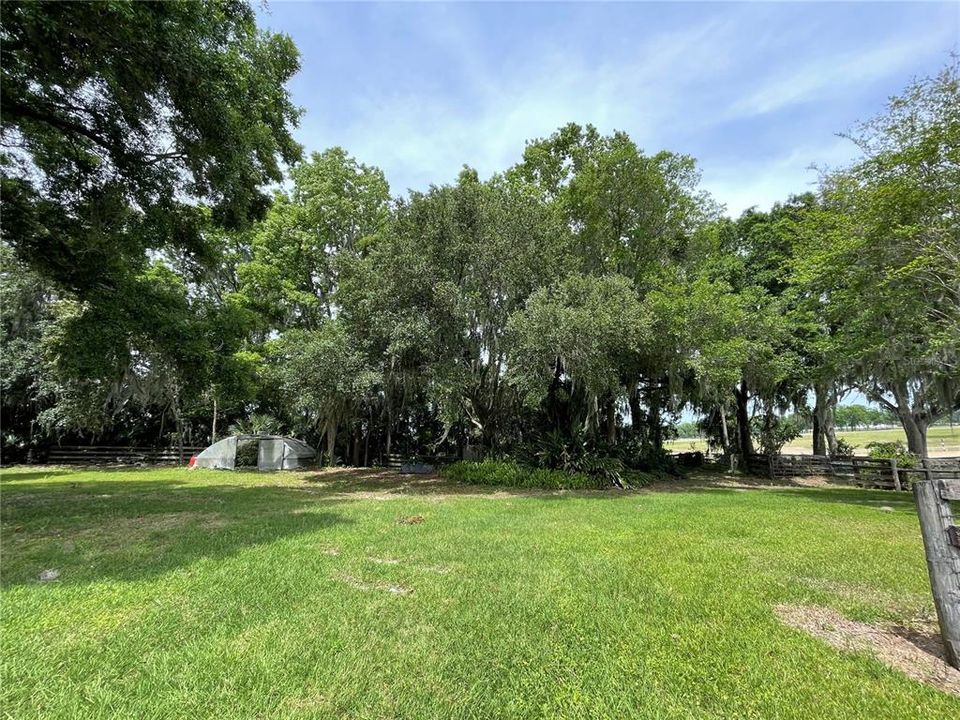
{"type": "Point", "coordinates": [238, 595]}
{"type": "Point", "coordinates": [940, 439]}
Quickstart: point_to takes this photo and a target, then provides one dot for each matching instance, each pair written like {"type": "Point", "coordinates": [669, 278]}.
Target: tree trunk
{"type": "Point", "coordinates": [356, 445]}
{"type": "Point", "coordinates": [725, 436]}
{"type": "Point", "coordinates": [366, 441]}
{"type": "Point", "coordinates": [916, 431]}
{"type": "Point", "coordinates": [830, 425]}
{"type": "Point", "coordinates": [612, 422]}
{"type": "Point", "coordinates": [914, 423]}
{"type": "Point", "coordinates": [819, 446]}
{"type": "Point", "coordinates": [636, 412]}
{"type": "Point", "coordinates": [179, 421]}
{"type": "Point", "coordinates": [744, 441]}
{"type": "Point", "coordinates": [213, 429]}
{"type": "Point", "coordinates": [654, 426]}
{"type": "Point", "coordinates": [331, 441]}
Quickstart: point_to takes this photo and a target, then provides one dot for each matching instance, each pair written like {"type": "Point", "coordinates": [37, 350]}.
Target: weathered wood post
{"type": "Point", "coordinates": [895, 474]}
{"type": "Point", "coordinates": [942, 546]}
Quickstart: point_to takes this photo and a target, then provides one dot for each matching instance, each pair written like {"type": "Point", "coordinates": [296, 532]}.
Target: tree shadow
{"type": "Point", "coordinates": [847, 495]}
{"type": "Point", "coordinates": [9, 477]}
{"type": "Point", "coordinates": [815, 489]}
{"type": "Point", "coordinates": [346, 482]}
{"type": "Point", "coordinates": [130, 530]}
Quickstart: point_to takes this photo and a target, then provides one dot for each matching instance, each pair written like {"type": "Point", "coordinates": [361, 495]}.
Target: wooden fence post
{"type": "Point", "coordinates": [943, 561]}
{"type": "Point", "coordinates": [896, 475]}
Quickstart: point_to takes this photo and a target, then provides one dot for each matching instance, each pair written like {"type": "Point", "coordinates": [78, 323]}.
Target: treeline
{"type": "Point", "coordinates": [845, 417]}
{"type": "Point", "coordinates": [562, 312]}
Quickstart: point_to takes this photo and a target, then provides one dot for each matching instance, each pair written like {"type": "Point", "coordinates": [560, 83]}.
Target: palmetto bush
{"type": "Point", "coordinates": [507, 473]}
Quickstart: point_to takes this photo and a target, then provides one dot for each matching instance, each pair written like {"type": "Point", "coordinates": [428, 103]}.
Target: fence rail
{"type": "Point", "coordinates": [867, 472]}
{"type": "Point", "coordinates": [117, 455]}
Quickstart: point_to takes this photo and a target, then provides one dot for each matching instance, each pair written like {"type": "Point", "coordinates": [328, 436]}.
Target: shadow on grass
{"type": "Point", "coordinates": [127, 530]}
{"type": "Point", "coordinates": [358, 482]}
{"type": "Point", "coordinates": [345, 482]}
{"type": "Point", "coordinates": [11, 477]}
{"type": "Point", "coordinates": [854, 496]}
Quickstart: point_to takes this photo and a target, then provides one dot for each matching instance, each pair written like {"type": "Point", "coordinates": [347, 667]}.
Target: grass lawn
{"type": "Point", "coordinates": [941, 440]}
{"type": "Point", "coordinates": [239, 595]}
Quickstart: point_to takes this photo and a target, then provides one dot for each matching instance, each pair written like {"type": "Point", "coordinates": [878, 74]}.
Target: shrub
{"type": "Point", "coordinates": [510, 474]}
{"type": "Point", "coordinates": [891, 450]}
{"type": "Point", "coordinates": [844, 449]}
{"type": "Point", "coordinates": [602, 467]}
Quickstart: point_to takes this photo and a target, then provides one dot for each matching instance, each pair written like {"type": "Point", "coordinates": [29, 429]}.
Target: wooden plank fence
{"type": "Point", "coordinates": [941, 542]}
{"type": "Point", "coordinates": [117, 455]}
{"type": "Point", "coordinates": [866, 472]}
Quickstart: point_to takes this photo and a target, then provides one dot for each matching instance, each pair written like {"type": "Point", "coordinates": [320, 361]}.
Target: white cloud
{"type": "Point", "coordinates": [421, 138]}
{"type": "Point", "coordinates": [831, 76]}
{"type": "Point", "coordinates": [673, 89]}
{"type": "Point", "coordinates": [761, 183]}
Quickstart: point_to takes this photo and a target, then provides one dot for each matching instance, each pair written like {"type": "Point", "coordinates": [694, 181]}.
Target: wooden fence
{"type": "Point", "coordinates": [941, 542]}
{"type": "Point", "coordinates": [866, 472]}
{"type": "Point", "coordinates": [117, 455]}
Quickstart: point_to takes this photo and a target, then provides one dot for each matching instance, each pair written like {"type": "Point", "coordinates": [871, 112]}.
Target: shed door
{"type": "Point", "coordinates": [270, 455]}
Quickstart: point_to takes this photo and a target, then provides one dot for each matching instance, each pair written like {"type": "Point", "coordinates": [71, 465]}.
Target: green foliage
{"type": "Point", "coordinates": [556, 451]}
{"type": "Point", "coordinates": [884, 254]}
{"type": "Point", "coordinates": [861, 416]}
{"type": "Point", "coordinates": [509, 474]}
{"type": "Point", "coordinates": [257, 424]}
{"type": "Point", "coordinates": [584, 328]}
{"type": "Point", "coordinates": [894, 450]}
{"type": "Point", "coordinates": [134, 133]}
{"type": "Point", "coordinates": [322, 376]}
{"type": "Point", "coordinates": [568, 309]}
{"type": "Point", "coordinates": [773, 432]}
{"type": "Point", "coordinates": [844, 449]}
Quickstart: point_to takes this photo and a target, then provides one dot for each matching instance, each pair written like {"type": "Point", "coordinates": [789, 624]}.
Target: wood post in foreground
{"type": "Point", "coordinates": [942, 546]}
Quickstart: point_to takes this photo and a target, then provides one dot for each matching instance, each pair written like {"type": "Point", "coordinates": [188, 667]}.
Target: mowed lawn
{"type": "Point", "coordinates": [211, 594]}
{"type": "Point", "coordinates": [941, 440]}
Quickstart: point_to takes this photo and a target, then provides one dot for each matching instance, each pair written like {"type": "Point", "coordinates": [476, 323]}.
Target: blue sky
{"type": "Point", "coordinates": [756, 92]}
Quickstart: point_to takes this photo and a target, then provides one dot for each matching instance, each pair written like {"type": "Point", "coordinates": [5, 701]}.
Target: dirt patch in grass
{"type": "Point", "coordinates": [862, 592]}
{"type": "Point", "coordinates": [916, 653]}
{"type": "Point", "coordinates": [134, 527]}
{"type": "Point", "coordinates": [376, 585]}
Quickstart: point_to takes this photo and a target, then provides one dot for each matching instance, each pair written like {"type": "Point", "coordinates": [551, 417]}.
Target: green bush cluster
{"type": "Point", "coordinates": [893, 450]}
{"type": "Point", "coordinates": [510, 474]}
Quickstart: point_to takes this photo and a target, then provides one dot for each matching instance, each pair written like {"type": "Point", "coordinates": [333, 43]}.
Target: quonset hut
{"type": "Point", "coordinates": [266, 452]}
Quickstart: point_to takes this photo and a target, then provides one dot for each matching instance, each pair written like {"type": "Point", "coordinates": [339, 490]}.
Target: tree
{"type": "Point", "coordinates": [575, 339]}
{"type": "Point", "coordinates": [631, 214]}
{"type": "Point", "coordinates": [883, 256]}
{"type": "Point", "coordinates": [126, 129]}
{"type": "Point", "coordinates": [323, 376]}
{"type": "Point", "coordinates": [337, 208]}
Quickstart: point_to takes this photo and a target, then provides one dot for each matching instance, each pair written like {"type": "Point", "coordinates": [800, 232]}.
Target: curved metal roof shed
{"type": "Point", "coordinates": [273, 452]}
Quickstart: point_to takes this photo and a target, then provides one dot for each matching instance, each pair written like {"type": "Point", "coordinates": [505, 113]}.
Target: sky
{"type": "Point", "coordinates": [756, 92]}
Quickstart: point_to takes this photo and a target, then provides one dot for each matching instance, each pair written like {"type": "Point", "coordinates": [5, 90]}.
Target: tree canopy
{"type": "Point", "coordinates": [173, 264]}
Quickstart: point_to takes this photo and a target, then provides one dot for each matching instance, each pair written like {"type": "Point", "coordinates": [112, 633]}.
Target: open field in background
{"type": "Point", "coordinates": [942, 440]}
{"type": "Point", "coordinates": [357, 594]}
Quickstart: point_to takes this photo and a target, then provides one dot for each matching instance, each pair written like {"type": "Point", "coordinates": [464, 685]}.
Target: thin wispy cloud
{"type": "Point", "coordinates": [755, 92]}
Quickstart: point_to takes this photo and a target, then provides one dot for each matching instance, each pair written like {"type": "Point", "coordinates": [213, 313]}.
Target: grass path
{"type": "Point", "coordinates": [238, 595]}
